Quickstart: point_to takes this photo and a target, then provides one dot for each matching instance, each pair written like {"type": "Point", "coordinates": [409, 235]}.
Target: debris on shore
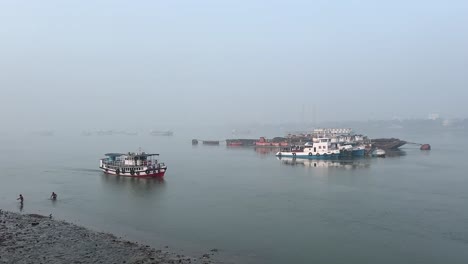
{"type": "Point", "coordinates": [33, 238]}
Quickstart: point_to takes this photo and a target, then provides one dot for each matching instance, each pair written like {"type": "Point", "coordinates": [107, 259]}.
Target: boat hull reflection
{"type": "Point", "coordinates": [266, 150]}
{"type": "Point", "coordinates": [343, 164]}
{"type": "Point", "coordinates": [133, 185]}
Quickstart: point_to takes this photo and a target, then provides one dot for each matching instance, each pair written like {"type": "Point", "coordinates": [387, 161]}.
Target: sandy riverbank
{"type": "Point", "coordinates": [32, 238]}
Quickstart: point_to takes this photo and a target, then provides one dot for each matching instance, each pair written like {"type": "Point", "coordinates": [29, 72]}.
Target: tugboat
{"type": "Point", "coordinates": [139, 164]}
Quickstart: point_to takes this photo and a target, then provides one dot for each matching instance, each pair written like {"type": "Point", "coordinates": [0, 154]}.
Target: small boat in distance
{"type": "Point", "coordinates": [210, 142]}
{"type": "Point", "coordinates": [276, 142]}
{"type": "Point", "coordinates": [244, 142]}
{"type": "Point", "coordinates": [379, 153]}
{"type": "Point", "coordinates": [161, 133]}
{"type": "Point", "coordinates": [234, 143]}
{"type": "Point", "coordinates": [139, 164]}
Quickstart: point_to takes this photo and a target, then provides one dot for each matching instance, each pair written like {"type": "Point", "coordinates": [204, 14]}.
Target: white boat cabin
{"type": "Point", "coordinates": [116, 160]}
{"type": "Point", "coordinates": [320, 146]}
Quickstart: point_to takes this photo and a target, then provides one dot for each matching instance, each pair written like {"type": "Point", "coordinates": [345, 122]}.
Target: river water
{"type": "Point", "coordinates": [411, 207]}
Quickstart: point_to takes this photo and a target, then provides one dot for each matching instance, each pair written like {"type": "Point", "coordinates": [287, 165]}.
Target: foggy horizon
{"type": "Point", "coordinates": [160, 65]}
{"type": "Point", "coordinates": [227, 131]}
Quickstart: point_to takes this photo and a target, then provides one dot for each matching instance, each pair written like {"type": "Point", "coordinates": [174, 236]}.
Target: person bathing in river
{"type": "Point", "coordinates": [53, 196]}
{"type": "Point", "coordinates": [21, 198]}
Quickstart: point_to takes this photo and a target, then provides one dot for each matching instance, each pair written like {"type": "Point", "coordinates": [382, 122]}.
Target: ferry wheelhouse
{"type": "Point", "coordinates": [133, 165]}
{"type": "Point", "coordinates": [345, 140]}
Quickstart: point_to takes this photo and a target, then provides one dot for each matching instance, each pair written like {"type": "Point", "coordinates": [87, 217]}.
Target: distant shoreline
{"type": "Point", "coordinates": [33, 238]}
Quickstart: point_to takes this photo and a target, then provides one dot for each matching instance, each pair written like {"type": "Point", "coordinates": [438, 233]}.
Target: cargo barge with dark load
{"type": "Point", "coordinates": [387, 143]}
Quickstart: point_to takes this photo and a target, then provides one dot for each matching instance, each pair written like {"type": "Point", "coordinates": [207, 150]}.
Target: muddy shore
{"type": "Point", "coordinates": [33, 238]}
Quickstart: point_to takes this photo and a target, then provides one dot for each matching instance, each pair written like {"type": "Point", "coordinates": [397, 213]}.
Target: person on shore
{"type": "Point", "coordinates": [53, 196]}
{"type": "Point", "coordinates": [21, 198]}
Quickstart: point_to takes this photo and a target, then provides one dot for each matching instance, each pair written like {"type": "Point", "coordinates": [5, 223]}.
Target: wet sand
{"type": "Point", "coordinates": [32, 238]}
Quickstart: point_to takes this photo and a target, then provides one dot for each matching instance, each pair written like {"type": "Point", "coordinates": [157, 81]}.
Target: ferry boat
{"type": "Point", "coordinates": [320, 149]}
{"type": "Point", "coordinates": [133, 165]}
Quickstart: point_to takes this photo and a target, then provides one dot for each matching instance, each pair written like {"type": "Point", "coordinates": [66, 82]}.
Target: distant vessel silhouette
{"type": "Point", "coordinates": [161, 133]}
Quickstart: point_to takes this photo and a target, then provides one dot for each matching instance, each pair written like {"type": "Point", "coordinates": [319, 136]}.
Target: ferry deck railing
{"type": "Point", "coordinates": [115, 164]}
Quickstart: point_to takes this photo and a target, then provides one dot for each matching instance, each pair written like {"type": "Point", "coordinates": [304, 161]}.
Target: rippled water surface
{"type": "Point", "coordinates": [408, 208]}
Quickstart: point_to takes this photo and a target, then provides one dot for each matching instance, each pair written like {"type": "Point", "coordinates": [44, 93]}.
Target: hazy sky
{"type": "Point", "coordinates": [123, 64]}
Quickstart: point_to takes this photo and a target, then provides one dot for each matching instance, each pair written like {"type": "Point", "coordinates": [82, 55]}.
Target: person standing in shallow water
{"type": "Point", "coordinates": [21, 198]}
{"type": "Point", "coordinates": [53, 196]}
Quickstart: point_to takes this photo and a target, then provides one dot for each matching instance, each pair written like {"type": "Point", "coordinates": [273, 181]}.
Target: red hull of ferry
{"type": "Point", "coordinates": [141, 175]}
